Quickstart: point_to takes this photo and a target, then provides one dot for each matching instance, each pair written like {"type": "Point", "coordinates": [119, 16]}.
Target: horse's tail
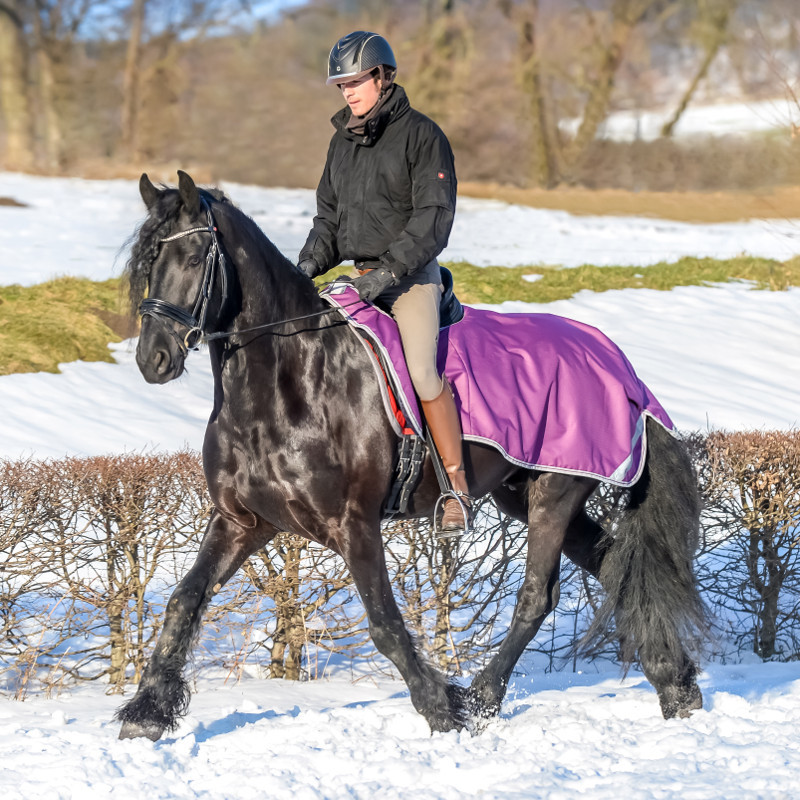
{"type": "Point", "coordinates": [651, 593]}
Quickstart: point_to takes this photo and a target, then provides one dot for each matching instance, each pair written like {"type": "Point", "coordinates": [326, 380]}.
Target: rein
{"type": "Point", "coordinates": [216, 264]}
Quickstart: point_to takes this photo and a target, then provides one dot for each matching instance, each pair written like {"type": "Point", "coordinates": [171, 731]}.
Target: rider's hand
{"type": "Point", "coordinates": [373, 283]}
{"type": "Point", "coordinates": [308, 268]}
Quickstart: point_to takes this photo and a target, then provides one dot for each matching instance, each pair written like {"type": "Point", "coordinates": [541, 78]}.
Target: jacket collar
{"type": "Point", "coordinates": [395, 106]}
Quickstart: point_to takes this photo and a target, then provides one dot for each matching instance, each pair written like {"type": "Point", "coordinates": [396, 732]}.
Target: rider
{"type": "Point", "coordinates": [386, 199]}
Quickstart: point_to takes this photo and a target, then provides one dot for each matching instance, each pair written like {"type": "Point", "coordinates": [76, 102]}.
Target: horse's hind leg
{"type": "Point", "coordinates": [553, 501]}
{"type": "Point", "coordinates": [432, 695]}
{"type": "Point", "coordinates": [163, 694]}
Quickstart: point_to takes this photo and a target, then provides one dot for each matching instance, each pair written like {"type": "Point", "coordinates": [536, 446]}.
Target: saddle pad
{"type": "Point", "coordinates": [550, 393]}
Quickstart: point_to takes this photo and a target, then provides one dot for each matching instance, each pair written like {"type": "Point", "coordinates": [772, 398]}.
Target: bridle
{"type": "Point", "coordinates": [216, 265]}
{"type": "Point", "coordinates": [195, 322]}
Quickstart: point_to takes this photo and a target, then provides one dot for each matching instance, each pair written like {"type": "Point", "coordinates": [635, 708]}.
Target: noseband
{"type": "Point", "coordinates": [195, 321]}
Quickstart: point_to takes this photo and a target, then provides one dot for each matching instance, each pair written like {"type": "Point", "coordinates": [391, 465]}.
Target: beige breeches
{"type": "Point", "coordinates": [414, 304]}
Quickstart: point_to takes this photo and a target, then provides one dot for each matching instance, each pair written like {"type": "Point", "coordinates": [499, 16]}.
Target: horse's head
{"type": "Point", "coordinates": [178, 263]}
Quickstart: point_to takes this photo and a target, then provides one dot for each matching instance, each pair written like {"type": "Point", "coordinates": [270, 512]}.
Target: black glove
{"type": "Point", "coordinates": [374, 283]}
{"type": "Point", "coordinates": [308, 268]}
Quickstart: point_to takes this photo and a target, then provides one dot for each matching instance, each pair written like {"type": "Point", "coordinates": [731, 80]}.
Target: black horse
{"type": "Point", "coordinates": [298, 441]}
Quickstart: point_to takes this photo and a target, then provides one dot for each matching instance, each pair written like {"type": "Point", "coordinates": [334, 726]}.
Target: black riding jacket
{"type": "Point", "coordinates": [387, 194]}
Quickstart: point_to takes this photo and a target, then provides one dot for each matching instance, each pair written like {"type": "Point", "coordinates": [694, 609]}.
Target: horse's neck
{"type": "Point", "coordinates": [282, 322]}
{"type": "Point", "coordinates": [270, 297]}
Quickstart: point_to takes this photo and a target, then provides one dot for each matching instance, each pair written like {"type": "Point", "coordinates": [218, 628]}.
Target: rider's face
{"type": "Point", "coordinates": [361, 94]}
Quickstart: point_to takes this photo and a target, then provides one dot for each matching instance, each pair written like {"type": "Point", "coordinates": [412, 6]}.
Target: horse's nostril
{"type": "Point", "coordinates": [161, 361]}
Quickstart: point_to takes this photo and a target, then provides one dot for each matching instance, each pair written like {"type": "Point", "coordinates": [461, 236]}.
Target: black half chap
{"type": "Point", "coordinates": [163, 693]}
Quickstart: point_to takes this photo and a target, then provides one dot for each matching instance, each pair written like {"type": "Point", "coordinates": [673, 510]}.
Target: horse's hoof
{"type": "Point", "coordinates": [135, 730]}
{"type": "Point", "coordinates": [451, 716]}
{"type": "Point", "coordinates": [443, 723]}
{"type": "Point", "coordinates": [444, 720]}
{"type": "Point", "coordinates": [692, 703]}
{"type": "Point", "coordinates": [680, 702]}
{"type": "Point", "coordinates": [483, 700]}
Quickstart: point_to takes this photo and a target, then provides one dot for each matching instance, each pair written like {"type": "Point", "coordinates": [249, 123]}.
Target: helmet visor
{"type": "Point", "coordinates": [346, 78]}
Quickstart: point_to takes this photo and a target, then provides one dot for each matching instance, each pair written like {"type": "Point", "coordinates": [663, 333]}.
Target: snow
{"type": "Point", "coordinates": [716, 357]}
{"type": "Point", "coordinates": [559, 736]}
{"type": "Point", "coordinates": [717, 119]}
{"type": "Point", "coordinates": [78, 227]}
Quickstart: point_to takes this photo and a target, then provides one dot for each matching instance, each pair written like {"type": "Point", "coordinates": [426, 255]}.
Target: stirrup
{"type": "Point", "coordinates": [466, 504]}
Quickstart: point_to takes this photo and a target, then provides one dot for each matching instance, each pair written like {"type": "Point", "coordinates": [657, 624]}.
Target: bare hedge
{"type": "Point", "coordinates": [90, 549]}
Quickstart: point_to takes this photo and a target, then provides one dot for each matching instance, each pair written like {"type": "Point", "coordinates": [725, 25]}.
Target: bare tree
{"type": "Point", "coordinates": [544, 134]}
{"type": "Point", "coordinates": [711, 31]}
{"type": "Point", "coordinates": [611, 35]}
{"type": "Point", "coordinates": [752, 486]}
{"type": "Point", "coordinates": [452, 591]}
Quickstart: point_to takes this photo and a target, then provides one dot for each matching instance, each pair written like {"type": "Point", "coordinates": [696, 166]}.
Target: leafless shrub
{"type": "Point", "coordinates": [92, 546]}
{"type": "Point", "coordinates": [751, 562]}
{"type": "Point", "coordinates": [290, 605]}
{"type": "Point", "coordinates": [90, 550]}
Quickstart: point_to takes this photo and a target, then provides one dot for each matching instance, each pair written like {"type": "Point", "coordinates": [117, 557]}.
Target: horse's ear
{"type": "Point", "coordinates": [189, 193]}
{"type": "Point", "coordinates": [148, 192]}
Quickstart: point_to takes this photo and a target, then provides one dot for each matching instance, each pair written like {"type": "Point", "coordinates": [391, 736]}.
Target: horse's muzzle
{"type": "Point", "coordinates": [158, 357]}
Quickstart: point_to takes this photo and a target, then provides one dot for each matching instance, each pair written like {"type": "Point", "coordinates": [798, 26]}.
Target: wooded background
{"type": "Point", "coordinates": [103, 88]}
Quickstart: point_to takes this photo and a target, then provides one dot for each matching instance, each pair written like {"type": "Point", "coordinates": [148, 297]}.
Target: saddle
{"type": "Point", "coordinates": [450, 308]}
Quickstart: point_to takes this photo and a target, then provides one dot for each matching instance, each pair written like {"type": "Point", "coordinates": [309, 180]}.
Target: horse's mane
{"type": "Point", "coordinates": [146, 241]}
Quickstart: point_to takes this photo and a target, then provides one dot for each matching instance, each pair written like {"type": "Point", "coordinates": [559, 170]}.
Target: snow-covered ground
{"type": "Point", "coordinates": [559, 736]}
{"type": "Point", "coordinates": [78, 227]}
{"type": "Point", "coordinates": [715, 356]}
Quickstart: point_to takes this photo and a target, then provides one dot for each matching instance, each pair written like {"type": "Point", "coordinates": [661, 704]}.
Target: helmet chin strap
{"type": "Point", "coordinates": [387, 78]}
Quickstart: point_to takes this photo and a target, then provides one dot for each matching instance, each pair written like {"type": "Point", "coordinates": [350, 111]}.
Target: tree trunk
{"type": "Point", "coordinates": [53, 139]}
{"type": "Point", "coordinates": [718, 34]}
{"type": "Point", "coordinates": [288, 640]}
{"type": "Point", "coordinates": [14, 105]}
{"type": "Point", "coordinates": [130, 83]}
{"type": "Point", "coordinates": [277, 667]}
{"type": "Point", "coordinates": [626, 16]}
{"type": "Point", "coordinates": [596, 109]}
{"type": "Point", "coordinates": [441, 634]}
{"type": "Point", "coordinates": [544, 171]}
{"type": "Point", "coordinates": [770, 594]}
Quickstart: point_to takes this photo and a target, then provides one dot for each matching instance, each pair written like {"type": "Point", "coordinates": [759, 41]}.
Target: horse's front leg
{"type": "Point", "coordinates": [163, 693]}
{"type": "Point", "coordinates": [440, 702]}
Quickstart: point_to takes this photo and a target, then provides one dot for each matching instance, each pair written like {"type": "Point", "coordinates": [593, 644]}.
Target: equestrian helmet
{"type": "Point", "coordinates": [357, 54]}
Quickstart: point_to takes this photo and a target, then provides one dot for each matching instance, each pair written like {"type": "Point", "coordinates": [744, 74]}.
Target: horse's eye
{"type": "Point", "coordinates": [193, 261]}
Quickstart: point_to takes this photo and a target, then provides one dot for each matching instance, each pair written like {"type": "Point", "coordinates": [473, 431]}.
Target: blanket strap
{"type": "Point", "coordinates": [407, 474]}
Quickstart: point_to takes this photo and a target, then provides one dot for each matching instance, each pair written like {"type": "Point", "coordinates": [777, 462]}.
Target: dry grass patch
{"type": "Point", "coordinates": [67, 319]}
